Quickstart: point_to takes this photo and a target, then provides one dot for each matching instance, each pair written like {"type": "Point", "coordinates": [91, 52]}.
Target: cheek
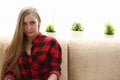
{"type": "Point", "coordinates": [37, 26]}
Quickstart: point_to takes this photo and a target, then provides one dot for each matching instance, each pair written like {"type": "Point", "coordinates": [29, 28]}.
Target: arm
{"type": "Point", "coordinates": [55, 60]}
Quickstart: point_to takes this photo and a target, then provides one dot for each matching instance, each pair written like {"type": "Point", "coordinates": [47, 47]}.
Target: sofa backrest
{"type": "Point", "coordinates": [94, 59]}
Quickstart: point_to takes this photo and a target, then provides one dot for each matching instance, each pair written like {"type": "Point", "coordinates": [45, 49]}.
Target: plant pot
{"type": "Point", "coordinates": [53, 34]}
{"type": "Point", "coordinates": [77, 33]}
{"type": "Point", "coordinates": [109, 36]}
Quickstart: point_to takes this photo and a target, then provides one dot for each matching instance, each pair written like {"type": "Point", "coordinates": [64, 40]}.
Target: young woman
{"type": "Point", "coordinates": [31, 55]}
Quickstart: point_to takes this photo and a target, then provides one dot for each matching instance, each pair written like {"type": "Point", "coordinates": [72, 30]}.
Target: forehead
{"type": "Point", "coordinates": [29, 17]}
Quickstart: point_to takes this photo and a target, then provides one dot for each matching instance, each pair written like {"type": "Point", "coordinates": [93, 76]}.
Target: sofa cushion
{"type": "Point", "coordinates": [64, 66]}
{"type": "Point", "coordinates": [4, 42]}
{"type": "Point", "coordinates": [94, 59]}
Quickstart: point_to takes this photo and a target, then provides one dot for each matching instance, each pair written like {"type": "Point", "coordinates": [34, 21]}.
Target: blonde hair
{"type": "Point", "coordinates": [17, 44]}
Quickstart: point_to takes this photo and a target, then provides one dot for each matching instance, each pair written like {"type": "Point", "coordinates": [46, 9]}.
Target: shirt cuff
{"type": "Point", "coordinates": [9, 77]}
{"type": "Point", "coordinates": [55, 72]}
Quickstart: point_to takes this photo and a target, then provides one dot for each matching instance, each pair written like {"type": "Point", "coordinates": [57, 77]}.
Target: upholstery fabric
{"type": "Point", "coordinates": [94, 59]}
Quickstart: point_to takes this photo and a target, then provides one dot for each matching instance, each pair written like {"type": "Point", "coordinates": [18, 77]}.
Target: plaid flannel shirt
{"type": "Point", "coordinates": [45, 59]}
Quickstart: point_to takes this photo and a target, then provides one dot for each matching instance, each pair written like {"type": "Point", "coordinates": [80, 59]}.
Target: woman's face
{"type": "Point", "coordinates": [30, 25]}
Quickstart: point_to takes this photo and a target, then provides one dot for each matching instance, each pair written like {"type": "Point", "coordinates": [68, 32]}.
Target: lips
{"type": "Point", "coordinates": [28, 32]}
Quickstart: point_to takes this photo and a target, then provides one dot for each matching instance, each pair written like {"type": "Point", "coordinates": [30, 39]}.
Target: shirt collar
{"type": "Point", "coordinates": [37, 39]}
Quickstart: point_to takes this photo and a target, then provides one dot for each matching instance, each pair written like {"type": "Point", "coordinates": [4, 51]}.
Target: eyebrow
{"type": "Point", "coordinates": [32, 21]}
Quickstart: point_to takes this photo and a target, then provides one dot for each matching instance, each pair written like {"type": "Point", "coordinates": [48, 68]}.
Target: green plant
{"type": "Point", "coordinates": [109, 29]}
{"type": "Point", "coordinates": [76, 26]}
{"type": "Point", "coordinates": [50, 28]}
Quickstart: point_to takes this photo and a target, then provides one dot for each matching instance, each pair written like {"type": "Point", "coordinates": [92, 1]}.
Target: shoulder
{"type": "Point", "coordinates": [51, 40]}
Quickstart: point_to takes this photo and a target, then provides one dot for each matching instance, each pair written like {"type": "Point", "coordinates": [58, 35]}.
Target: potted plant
{"type": "Point", "coordinates": [77, 29]}
{"type": "Point", "coordinates": [109, 29]}
{"type": "Point", "coordinates": [50, 30]}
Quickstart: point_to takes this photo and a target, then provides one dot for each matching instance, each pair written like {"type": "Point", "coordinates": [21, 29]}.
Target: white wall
{"type": "Point", "coordinates": [11, 8]}
{"type": "Point", "coordinates": [91, 13]}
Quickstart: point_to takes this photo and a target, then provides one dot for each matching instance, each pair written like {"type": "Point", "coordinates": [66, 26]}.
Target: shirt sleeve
{"type": "Point", "coordinates": [9, 76]}
{"type": "Point", "coordinates": [55, 58]}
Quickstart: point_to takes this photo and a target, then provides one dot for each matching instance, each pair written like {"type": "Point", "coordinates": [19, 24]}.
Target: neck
{"type": "Point", "coordinates": [29, 40]}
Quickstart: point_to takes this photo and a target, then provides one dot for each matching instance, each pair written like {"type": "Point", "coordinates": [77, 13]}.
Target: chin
{"type": "Point", "coordinates": [31, 35]}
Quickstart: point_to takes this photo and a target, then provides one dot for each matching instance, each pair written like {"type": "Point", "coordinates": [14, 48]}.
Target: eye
{"type": "Point", "coordinates": [32, 22]}
{"type": "Point", "coordinates": [24, 24]}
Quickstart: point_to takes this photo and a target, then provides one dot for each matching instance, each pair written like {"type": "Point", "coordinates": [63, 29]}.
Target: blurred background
{"type": "Point", "coordinates": [92, 14]}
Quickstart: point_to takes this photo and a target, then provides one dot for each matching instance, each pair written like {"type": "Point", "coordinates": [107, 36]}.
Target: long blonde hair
{"type": "Point", "coordinates": [17, 44]}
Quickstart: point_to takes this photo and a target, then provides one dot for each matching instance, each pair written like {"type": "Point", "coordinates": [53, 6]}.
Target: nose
{"type": "Point", "coordinates": [28, 26]}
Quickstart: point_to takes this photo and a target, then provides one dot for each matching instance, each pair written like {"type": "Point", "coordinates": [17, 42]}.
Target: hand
{"type": "Point", "coordinates": [9, 77]}
{"type": "Point", "coordinates": [52, 77]}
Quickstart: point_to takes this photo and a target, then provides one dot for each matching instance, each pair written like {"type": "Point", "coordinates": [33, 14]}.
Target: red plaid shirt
{"type": "Point", "coordinates": [45, 59]}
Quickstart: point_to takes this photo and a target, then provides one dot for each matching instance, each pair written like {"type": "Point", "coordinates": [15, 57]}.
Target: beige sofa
{"type": "Point", "coordinates": [87, 59]}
